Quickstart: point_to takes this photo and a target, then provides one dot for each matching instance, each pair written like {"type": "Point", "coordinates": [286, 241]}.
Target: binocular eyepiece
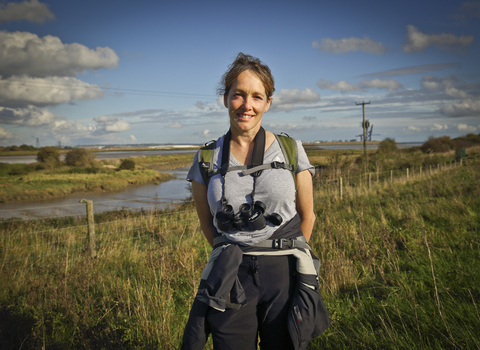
{"type": "Point", "coordinates": [249, 216]}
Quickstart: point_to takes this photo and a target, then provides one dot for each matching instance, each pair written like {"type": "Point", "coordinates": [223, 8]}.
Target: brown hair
{"type": "Point", "coordinates": [242, 63]}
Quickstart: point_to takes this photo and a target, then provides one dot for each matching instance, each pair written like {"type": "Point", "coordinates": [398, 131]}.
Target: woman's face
{"type": "Point", "coordinates": [246, 103]}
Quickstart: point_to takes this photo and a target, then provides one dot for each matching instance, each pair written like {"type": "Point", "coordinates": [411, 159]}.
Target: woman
{"type": "Point", "coordinates": [246, 213]}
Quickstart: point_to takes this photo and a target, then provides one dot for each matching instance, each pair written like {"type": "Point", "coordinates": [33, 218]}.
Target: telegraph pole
{"type": "Point", "coordinates": [364, 133]}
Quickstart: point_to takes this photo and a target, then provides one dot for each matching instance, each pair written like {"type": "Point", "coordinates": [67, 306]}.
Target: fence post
{"type": "Point", "coordinates": [340, 187]}
{"type": "Point", "coordinates": [460, 161]}
{"type": "Point", "coordinates": [391, 176]}
{"type": "Point", "coordinates": [91, 228]}
{"type": "Point", "coordinates": [407, 174]}
{"type": "Point", "coordinates": [430, 169]}
{"type": "Point", "coordinates": [420, 171]}
{"type": "Point", "coordinates": [438, 167]}
{"type": "Point", "coordinates": [369, 180]}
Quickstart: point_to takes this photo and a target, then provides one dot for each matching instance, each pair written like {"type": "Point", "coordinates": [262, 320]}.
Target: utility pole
{"type": "Point", "coordinates": [364, 133]}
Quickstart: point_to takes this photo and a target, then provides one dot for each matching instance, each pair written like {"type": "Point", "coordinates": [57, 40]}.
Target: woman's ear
{"type": "Point", "coordinates": [225, 96]}
{"type": "Point", "coordinates": [267, 107]}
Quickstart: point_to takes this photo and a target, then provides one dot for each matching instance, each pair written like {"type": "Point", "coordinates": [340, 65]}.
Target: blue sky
{"type": "Point", "coordinates": [122, 72]}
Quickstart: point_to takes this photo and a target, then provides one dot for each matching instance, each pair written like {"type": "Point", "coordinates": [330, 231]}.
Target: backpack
{"type": "Point", "coordinates": [287, 144]}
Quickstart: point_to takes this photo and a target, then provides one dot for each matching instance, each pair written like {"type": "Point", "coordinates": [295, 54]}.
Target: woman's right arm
{"type": "Point", "coordinates": [199, 193]}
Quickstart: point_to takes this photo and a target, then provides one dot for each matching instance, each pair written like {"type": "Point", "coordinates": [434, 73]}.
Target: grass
{"type": "Point", "coordinates": [400, 270]}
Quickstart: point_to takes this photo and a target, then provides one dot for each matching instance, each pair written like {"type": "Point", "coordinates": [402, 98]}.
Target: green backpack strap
{"type": "Point", "coordinates": [205, 159]}
{"type": "Point", "coordinates": [290, 152]}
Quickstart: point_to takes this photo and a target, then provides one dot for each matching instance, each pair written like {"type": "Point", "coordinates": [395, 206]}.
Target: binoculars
{"type": "Point", "coordinates": [249, 216]}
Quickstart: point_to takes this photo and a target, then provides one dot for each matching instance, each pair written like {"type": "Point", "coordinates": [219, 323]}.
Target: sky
{"type": "Point", "coordinates": [134, 72]}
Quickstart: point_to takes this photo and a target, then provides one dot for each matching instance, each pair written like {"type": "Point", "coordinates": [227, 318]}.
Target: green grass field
{"type": "Point", "coordinates": [400, 270]}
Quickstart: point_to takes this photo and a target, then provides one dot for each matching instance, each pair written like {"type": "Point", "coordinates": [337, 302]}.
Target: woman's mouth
{"type": "Point", "coordinates": [245, 116]}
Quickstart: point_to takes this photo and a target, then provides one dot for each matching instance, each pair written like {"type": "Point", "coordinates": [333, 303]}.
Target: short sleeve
{"type": "Point", "coordinates": [194, 173]}
{"type": "Point", "coordinates": [303, 162]}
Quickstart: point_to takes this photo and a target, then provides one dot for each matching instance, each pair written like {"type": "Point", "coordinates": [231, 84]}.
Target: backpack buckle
{"type": "Point", "coordinates": [283, 243]}
{"type": "Point", "coordinates": [277, 165]}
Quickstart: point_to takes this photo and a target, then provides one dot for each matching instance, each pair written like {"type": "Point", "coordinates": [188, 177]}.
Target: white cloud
{"type": "Point", "coordinates": [28, 116]}
{"type": "Point", "coordinates": [206, 133]}
{"type": "Point", "coordinates": [413, 70]}
{"type": "Point", "coordinates": [286, 98]}
{"type": "Point", "coordinates": [175, 126]}
{"type": "Point", "coordinates": [20, 92]}
{"type": "Point", "coordinates": [438, 127]}
{"type": "Point", "coordinates": [133, 138]}
{"type": "Point", "coordinates": [105, 124]}
{"type": "Point", "coordinates": [465, 108]}
{"type": "Point", "coordinates": [342, 86]}
{"type": "Point", "coordinates": [466, 128]}
{"type": "Point", "coordinates": [413, 128]}
{"type": "Point", "coordinates": [418, 41]}
{"type": "Point", "coordinates": [435, 84]}
{"type": "Point", "coordinates": [390, 84]}
{"type": "Point", "coordinates": [5, 134]}
{"type": "Point", "coordinates": [23, 53]}
{"type": "Point", "coordinates": [32, 11]}
{"type": "Point", "coordinates": [350, 44]}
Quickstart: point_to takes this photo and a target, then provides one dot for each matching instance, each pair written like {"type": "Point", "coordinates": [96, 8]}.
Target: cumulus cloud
{"type": "Point", "coordinates": [31, 11]}
{"type": "Point", "coordinates": [5, 134]}
{"type": "Point", "coordinates": [20, 92]}
{"type": "Point", "coordinates": [23, 53]}
{"type": "Point", "coordinates": [350, 44]}
{"type": "Point", "coordinates": [133, 138]}
{"type": "Point", "coordinates": [390, 85]}
{"type": "Point", "coordinates": [28, 116]}
{"type": "Point", "coordinates": [105, 124]}
{"type": "Point", "coordinates": [466, 108]}
{"type": "Point", "coordinates": [438, 127]}
{"type": "Point", "coordinates": [412, 128]}
{"type": "Point", "coordinates": [175, 126]}
{"type": "Point", "coordinates": [342, 86]}
{"type": "Point", "coordinates": [418, 41]}
{"type": "Point", "coordinates": [435, 84]}
{"type": "Point", "coordinates": [206, 133]}
{"type": "Point", "coordinates": [287, 98]}
{"type": "Point", "coordinates": [466, 128]}
{"type": "Point", "coordinates": [412, 70]}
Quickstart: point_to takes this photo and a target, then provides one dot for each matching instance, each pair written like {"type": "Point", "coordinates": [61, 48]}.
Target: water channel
{"type": "Point", "coordinates": [149, 196]}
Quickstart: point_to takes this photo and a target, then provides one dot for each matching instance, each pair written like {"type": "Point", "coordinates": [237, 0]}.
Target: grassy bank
{"type": "Point", "coordinates": [41, 184]}
{"type": "Point", "coordinates": [400, 270]}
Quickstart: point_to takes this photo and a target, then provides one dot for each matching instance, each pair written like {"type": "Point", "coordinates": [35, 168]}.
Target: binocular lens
{"type": "Point", "coordinates": [224, 221]}
{"type": "Point", "coordinates": [256, 221]}
{"type": "Point", "coordinates": [275, 219]}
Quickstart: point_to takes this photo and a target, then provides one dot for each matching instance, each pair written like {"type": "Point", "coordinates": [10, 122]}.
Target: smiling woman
{"type": "Point", "coordinates": [253, 194]}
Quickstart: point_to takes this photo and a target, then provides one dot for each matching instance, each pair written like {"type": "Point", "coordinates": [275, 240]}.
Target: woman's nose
{"type": "Point", "coordinates": [247, 103]}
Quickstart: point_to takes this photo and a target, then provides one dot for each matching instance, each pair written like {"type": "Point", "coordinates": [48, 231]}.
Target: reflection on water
{"type": "Point", "coordinates": [148, 196]}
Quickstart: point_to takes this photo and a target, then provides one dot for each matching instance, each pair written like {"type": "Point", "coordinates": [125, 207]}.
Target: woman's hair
{"type": "Point", "coordinates": [242, 63]}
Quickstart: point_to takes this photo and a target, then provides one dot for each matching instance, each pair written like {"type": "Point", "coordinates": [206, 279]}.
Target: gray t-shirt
{"type": "Point", "coordinates": [274, 187]}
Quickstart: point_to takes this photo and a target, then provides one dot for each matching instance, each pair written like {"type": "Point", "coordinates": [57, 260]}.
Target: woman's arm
{"type": "Point", "coordinates": [305, 202]}
{"type": "Point", "coordinates": [199, 193]}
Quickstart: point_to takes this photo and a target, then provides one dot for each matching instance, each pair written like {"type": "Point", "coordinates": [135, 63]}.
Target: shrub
{"type": "Point", "coordinates": [387, 146]}
{"type": "Point", "coordinates": [25, 147]}
{"type": "Point", "coordinates": [438, 145]}
{"type": "Point", "coordinates": [79, 157]}
{"type": "Point", "coordinates": [127, 164]}
{"type": "Point", "coordinates": [49, 157]}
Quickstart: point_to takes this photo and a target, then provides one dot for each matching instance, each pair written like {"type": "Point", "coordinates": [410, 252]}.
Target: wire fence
{"type": "Point", "coordinates": [25, 247]}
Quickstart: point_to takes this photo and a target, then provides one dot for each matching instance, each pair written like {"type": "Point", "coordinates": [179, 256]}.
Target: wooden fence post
{"type": "Point", "coordinates": [430, 169]}
{"type": "Point", "coordinates": [391, 176]}
{"type": "Point", "coordinates": [369, 180]}
{"type": "Point", "coordinates": [420, 171]}
{"type": "Point", "coordinates": [91, 228]}
{"type": "Point", "coordinates": [407, 174]}
{"type": "Point", "coordinates": [340, 187]}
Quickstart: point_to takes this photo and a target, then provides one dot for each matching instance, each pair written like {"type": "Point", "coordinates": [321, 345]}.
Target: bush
{"type": "Point", "coordinates": [25, 147]}
{"type": "Point", "coordinates": [438, 145]}
{"type": "Point", "coordinates": [387, 146]}
{"type": "Point", "coordinates": [79, 157]}
{"type": "Point", "coordinates": [49, 157]}
{"type": "Point", "coordinates": [127, 164]}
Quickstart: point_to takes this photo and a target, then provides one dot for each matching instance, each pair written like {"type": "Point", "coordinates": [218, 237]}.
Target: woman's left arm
{"type": "Point", "coordinates": [305, 202]}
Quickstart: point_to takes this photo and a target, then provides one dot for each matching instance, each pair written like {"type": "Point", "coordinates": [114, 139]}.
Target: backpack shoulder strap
{"type": "Point", "coordinates": [205, 159]}
{"type": "Point", "coordinates": [290, 152]}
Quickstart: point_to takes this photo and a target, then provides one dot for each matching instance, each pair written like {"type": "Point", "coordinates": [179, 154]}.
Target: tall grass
{"type": "Point", "coordinates": [400, 270]}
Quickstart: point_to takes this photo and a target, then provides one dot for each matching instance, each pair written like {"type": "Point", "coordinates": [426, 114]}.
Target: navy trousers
{"type": "Point", "coordinates": [269, 282]}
